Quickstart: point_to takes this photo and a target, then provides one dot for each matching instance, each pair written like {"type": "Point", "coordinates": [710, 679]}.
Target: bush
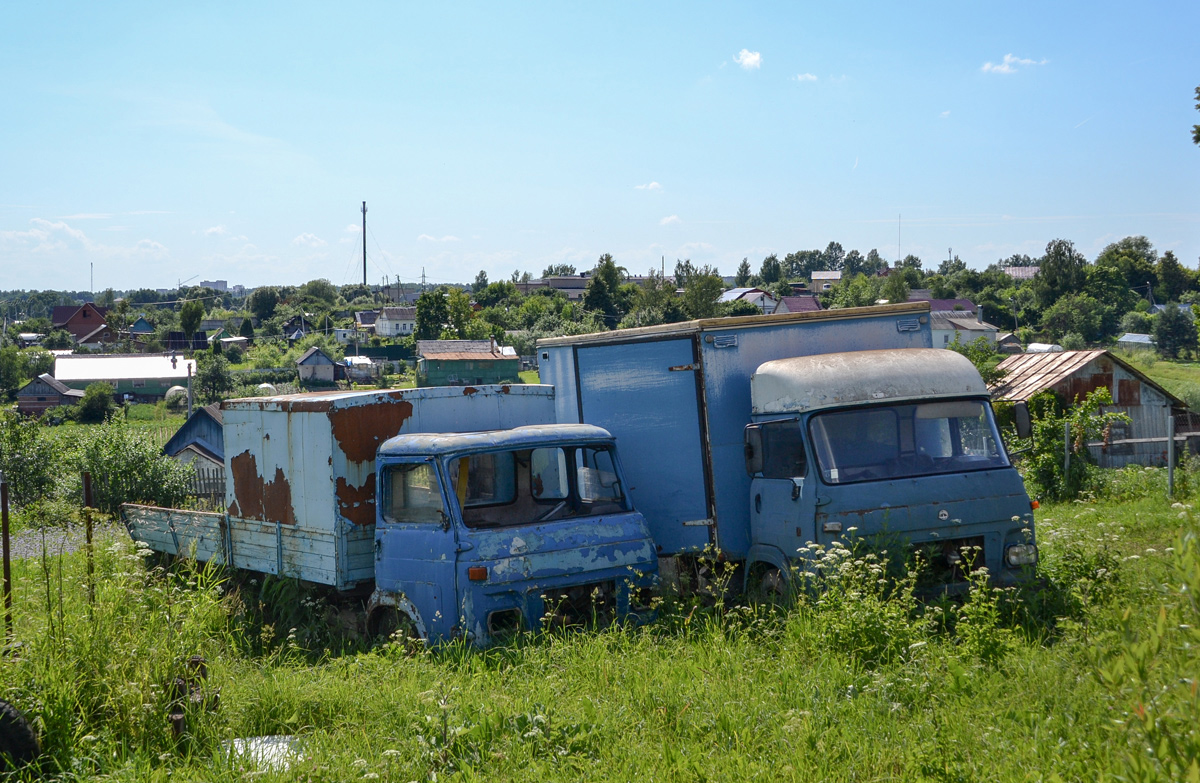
{"type": "Point", "coordinates": [97, 404]}
{"type": "Point", "coordinates": [28, 458]}
{"type": "Point", "coordinates": [128, 467]}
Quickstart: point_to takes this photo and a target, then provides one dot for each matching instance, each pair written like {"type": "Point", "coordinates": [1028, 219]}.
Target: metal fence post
{"type": "Point", "coordinates": [1170, 456]}
{"type": "Point", "coordinates": [1066, 449]}
{"type": "Point", "coordinates": [8, 623]}
{"type": "Point", "coordinates": [87, 527]}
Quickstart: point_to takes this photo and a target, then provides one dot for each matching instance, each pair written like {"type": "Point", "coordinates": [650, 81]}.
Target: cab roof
{"type": "Point", "coordinates": [808, 383]}
{"type": "Point", "coordinates": [528, 437]}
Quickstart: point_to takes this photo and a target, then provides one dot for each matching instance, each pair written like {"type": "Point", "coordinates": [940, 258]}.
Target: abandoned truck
{"type": "Point", "coordinates": [755, 436]}
{"type": "Point", "coordinates": [468, 535]}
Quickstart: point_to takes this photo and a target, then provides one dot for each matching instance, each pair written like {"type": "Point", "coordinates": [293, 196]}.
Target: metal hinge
{"type": "Point", "coordinates": [699, 523]}
{"type": "Point", "coordinates": [682, 368]}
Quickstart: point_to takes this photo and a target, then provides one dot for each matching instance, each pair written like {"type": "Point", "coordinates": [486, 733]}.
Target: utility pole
{"type": "Point", "coordinates": [422, 279]}
{"type": "Point", "coordinates": [364, 211]}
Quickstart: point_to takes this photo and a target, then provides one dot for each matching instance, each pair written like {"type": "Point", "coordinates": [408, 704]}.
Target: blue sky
{"type": "Point", "coordinates": [162, 141]}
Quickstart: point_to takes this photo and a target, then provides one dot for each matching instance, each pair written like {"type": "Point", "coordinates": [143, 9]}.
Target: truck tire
{"type": "Point", "coordinates": [18, 742]}
{"type": "Point", "coordinates": [387, 621]}
{"type": "Point", "coordinates": [767, 586]}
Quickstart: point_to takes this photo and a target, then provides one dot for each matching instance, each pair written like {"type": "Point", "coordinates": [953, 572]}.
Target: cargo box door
{"type": "Point", "coordinates": [646, 395]}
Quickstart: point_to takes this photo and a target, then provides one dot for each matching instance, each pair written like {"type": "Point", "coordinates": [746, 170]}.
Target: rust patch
{"type": "Point", "coordinates": [357, 504]}
{"type": "Point", "coordinates": [469, 390]}
{"type": "Point", "coordinates": [505, 389]}
{"type": "Point", "coordinates": [270, 501]}
{"type": "Point", "coordinates": [360, 430]}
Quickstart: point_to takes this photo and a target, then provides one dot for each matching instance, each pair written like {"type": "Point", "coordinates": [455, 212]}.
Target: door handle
{"type": "Point", "coordinates": [758, 504]}
{"type": "Point", "coordinates": [823, 499]}
{"type": "Point", "coordinates": [464, 546]}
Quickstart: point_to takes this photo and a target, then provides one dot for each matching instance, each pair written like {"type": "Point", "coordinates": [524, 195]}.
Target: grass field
{"type": "Point", "coordinates": [1178, 377]}
{"type": "Point", "coordinates": [854, 682]}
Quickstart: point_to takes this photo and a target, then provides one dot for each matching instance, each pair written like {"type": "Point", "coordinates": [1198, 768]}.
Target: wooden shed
{"type": "Point", "coordinates": [1073, 374]}
{"type": "Point", "coordinates": [316, 366]}
{"type": "Point", "coordinates": [43, 393]}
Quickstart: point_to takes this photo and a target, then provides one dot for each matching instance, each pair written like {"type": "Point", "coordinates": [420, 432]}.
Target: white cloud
{"type": "Point", "coordinates": [353, 228]}
{"type": "Point", "coordinates": [215, 231]}
{"type": "Point", "coordinates": [48, 238]}
{"type": "Point", "coordinates": [804, 77]}
{"type": "Point", "coordinates": [309, 240]}
{"type": "Point", "coordinates": [87, 216]}
{"type": "Point", "coordinates": [648, 186]}
{"type": "Point", "coordinates": [693, 246]}
{"type": "Point", "coordinates": [670, 220]}
{"type": "Point", "coordinates": [748, 59]}
{"type": "Point", "coordinates": [1010, 64]}
{"type": "Point", "coordinates": [428, 238]}
{"type": "Point", "coordinates": [945, 114]}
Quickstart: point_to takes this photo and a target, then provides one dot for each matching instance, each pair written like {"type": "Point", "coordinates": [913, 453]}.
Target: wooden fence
{"type": "Point", "coordinates": [208, 487]}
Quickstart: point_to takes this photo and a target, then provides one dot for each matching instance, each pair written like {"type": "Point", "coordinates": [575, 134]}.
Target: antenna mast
{"type": "Point", "coordinates": [364, 211]}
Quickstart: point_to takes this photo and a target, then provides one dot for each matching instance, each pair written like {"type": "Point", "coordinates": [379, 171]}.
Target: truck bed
{"type": "Point", "coordinates": [254, 545]}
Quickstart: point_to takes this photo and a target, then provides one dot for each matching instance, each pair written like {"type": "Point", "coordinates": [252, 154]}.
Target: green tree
{"type": "Point", "coordinates": [58, 340]}
{"type": "Point", "coordinates": [983, 355]}
{"type": "Point", "coordinates": [603, 291]}
{"type": "Point", "coordinates": [1088, 422]}
{"type": "Point", "coordinates": [858, 291]}
{"type": "Point", "coordinates": [1061, 271]}
{"type": "Point", "coordinates": [833, 256]}
{"type": "Point", "coordinates": [263, 301]}
{"type": "Point", "coordinates": [320, 291]}
{"type": "Point", "coordinates": [1173, 279]}
{"type": "Point", "coordinates": [97, 403]}
{"type": "Point", "coordinates": [1135, 258]}
{"type": "Point", "coordinates": [1079, 313]}
{"type": "Point", "coordinates": [37, 361]}
{"type": "Point", "coordinates": [1196, 128]}
{"type": "Point", "coordinates": [432, 314]}
{"type": "Point", "coordinates": [558, 270]}
{"type": "Point", "coordinates": [459, 312]}
{"type": "Point", "coordinates": [10, 370]}
{"type": "Point", "coordinates": [481, 282]}
{"type": "Point", "coordinates": [704, 287]}
{"type": "Point", "coordinates": [1174, 332]}
{"type": "Point", "coordinates": [742, 278]}
{"type": "Point", "coordinates": [213, 378]}
{"type": "Point", "coordinates": [247, 329]}
{"type": "Point", "coordinates": [190, 316]}
{"type": "Point", "coordinates": [895, 288]}
{"type": "Point", "coordinates": [771, 270]}
{"type": "Point", "coordinates": [854, 264]}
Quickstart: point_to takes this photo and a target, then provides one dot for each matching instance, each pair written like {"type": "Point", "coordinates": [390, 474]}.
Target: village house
{"type": "Point", "coordinates": [465, 362]}
{"type": "Point", "coordinates": [201, 439]}
{"type": "Point", "coordinates": [825, 280]}
{"type": "Point", "coordinates": [85, 322]}
{"type": "Point", "coordinates": [801, 303]}
{"type": "Point", "coordinates": [315, 366]}
{"type": "Point", "coordinates": [755, 296]}
{"type": "Point", "coordinates": [1072, 375]}
{"type": "Point", "coordinates": [396, 322]}
{"type": "Point", "coordinates": [141, 377]}
{"type": "Point", "coordinates": [43, 393]}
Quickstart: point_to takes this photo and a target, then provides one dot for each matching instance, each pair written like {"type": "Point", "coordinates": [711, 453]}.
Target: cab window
{"type": "Point", "coordinates": [411, 494]}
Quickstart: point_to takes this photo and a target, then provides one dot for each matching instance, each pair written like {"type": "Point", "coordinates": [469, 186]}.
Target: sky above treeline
{"type": "Point", "coordinates": [164, 142]}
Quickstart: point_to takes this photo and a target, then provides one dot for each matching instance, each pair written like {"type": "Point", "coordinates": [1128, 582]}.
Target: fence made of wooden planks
{"type": "Point", "coordinates": [208, 487]}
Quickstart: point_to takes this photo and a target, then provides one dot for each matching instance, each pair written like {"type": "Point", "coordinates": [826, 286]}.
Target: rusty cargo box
{"type": "Point", "coordinates": [300, 475]}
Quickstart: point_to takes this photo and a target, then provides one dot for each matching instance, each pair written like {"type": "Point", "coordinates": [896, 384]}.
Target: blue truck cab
{"type": "Point", "coordinates": [898, 443]}
{"type": "Point", "coordinates": [481, 534]}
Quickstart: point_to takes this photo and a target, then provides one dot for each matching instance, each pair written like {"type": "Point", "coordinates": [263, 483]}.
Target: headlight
{"type": "Point", "coordinates": [1019, 555]}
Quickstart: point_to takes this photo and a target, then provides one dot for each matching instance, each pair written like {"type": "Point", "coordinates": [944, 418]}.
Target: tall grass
{"type": "Point", "coordinates": [857, 680]}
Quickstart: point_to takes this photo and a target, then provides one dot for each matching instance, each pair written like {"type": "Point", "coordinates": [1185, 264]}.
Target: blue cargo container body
{"type": "Point", "coordinates": [677, 398]}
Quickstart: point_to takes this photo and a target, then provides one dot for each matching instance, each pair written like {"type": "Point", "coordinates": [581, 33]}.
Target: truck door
{"type": "Point", "coordinates": [416, 543]}
{"type": "Point", "coordinates": [646, 395]}
{"type": "Point", "coordinates": [783, 492]}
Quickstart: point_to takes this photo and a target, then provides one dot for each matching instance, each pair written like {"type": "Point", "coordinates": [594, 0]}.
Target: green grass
{"type": "Point", "coordinates": [849, 683]}
{"type": "Point", "coordinates": [530, 376]}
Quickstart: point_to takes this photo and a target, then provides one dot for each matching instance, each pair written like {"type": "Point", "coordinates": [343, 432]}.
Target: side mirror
{"type": "Point", "coordinates": [1024, 426]}
{"type": "Point", "coordinates": [753, 449]}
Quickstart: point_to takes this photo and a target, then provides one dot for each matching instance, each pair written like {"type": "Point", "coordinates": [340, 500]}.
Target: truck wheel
{"type": "Point", "coordinates": [389, 622]}
{"type": "Point", "coordinates": [18, 742]}
{"type": "Point", "coordinates": [767, 586]}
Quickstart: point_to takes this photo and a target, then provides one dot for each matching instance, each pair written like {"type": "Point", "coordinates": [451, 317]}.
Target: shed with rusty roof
{"type": "Point", "coordinates": [1072, 375]}
{"type": "Point", "coordinates": [465, 363]}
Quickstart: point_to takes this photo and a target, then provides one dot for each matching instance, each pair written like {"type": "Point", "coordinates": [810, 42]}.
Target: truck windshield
{"type": "Point", "coordinates": [506, 488]}
{"type": "Point", "coordinates": [901, 441]}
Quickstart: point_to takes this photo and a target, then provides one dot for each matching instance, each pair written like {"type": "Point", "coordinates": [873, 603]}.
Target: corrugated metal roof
{"type": "Point", "coordinates": [475, 356]}
{"type": "Point", "coordinates": [120, 368]}
{"type": "Point", "coordinates": [1029, 373]}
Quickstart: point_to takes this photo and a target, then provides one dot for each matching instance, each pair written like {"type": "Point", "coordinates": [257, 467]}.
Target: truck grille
{"type": "Point", "coordinates": [950, 561]}
{"type": "Point", "coordinates": [581, 606]}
